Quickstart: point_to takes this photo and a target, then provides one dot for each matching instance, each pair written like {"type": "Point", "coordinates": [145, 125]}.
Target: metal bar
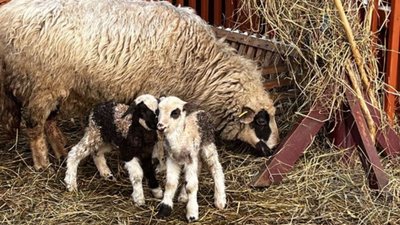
{"type": "Point", "coordinates": [204, 10]}
{"type": "Point", "coordinates": [218, 13]}
{"type": "Point", "coordinates": [229, 7]}
{"type": "Point", "coordinates": [377, 178]}
{"type": "Point", "coordinates": [180, 2]}
{"type": "Point", "coordinates": [192, 4]}
{"type": "Point", "coordinates": [292, 147]}
{"type": "Point", "coordinates": [392, 65]}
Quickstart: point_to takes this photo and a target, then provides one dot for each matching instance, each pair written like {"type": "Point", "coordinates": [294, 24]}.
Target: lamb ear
{"type": "Point", "coordinates": [131, 109]}
{"type": "Point", "coordinates": [161, 97]}
{"type": "Point", "coordinates": [190, 107]}
{"type": "Point", "coordinates": [247, 115]}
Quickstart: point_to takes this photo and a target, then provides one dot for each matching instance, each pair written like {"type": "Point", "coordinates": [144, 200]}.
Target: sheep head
{"type": "Point", "coordinates": [145, 107]}
{"type": "Point", "coordinates": [172, 114]}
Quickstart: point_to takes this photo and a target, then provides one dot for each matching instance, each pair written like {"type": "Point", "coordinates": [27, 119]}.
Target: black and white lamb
{"type": "Point", "coordinates": [188, 135]}
{"type": "Point", "coordinates": [130, 128]}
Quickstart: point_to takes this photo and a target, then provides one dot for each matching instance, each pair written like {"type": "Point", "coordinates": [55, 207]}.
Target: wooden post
{"type": "Point", "coordinates": [392, 65]}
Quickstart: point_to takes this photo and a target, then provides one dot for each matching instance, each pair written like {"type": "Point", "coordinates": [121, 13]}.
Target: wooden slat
{"type": "Point", "coordinates": [180, 2]}
{"type": "Point", "coordinates": [393, 59]}
{"type": "Point", "coordinates": [242, 49]}
{"type": "Point", "coordinates": [277, 83]}
{"type": "Point", "coordinates": [274, 69]}
{"type": "Point", "coordinates": [252, 41]}
{"type": "Point", "coordinates": [218, 13]}
{"type": "Point", "coordinates": [4, 1]}
{"type": "Point", "coordinates": [204, 10]}
{"type": "Point", "coordinates": [250, 52]}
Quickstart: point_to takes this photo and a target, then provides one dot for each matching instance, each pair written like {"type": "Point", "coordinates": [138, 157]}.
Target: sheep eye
{"type": "Point", "coordinates": [176, 113]}
{"type": "Point", "coordinates": [261, 121]}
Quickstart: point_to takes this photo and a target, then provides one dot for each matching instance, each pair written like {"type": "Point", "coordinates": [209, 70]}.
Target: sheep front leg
{"type": "Point", "coordinates": [183, 197]}
{"type": "Point", "coordinates": [150, 174]}
{"type": "Point", "coordinates": [136, 176]}
{"type": "Point", "coordinates": [56, 139]}
{"type": "Point", "coordinates": [101, 162]}
{"type": "Point", "coordinates": [37, 143]}
{"type": "Point", "coordinates": [210, 156]}
{"type": "Point", "coordinates": [172, 180]}
{"type": "Point", "coordinates": [192, 186]}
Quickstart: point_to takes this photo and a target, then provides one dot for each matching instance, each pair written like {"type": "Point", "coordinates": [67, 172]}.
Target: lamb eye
{"type": "Point", "coordinates": [261, 121]}
{"type": "Point", "coordinates": [175, 113]}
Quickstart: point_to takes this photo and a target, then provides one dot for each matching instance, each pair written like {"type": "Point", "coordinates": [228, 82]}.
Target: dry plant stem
{"type": "Point", "coordinates": [354, 49]}
{"type": "Point", "coordinates": [363, 104]}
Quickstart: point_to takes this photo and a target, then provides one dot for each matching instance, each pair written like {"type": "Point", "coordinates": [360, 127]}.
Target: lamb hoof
{"type": "Point", "coordinates": [182, 198]}
{"type": "Point", "coordinates": [139, 201]}
{"type": "Point", "coordinates": [164, 211]}
{"type": "Point", "coordinates": [192, 218]}
{"type": "Point", "coordinates": [110, 177]}
{"type": "Point", "coordinates": [220, 203]}
{"type": "Point", "coordinates": [157, 192]}
{"type": "Point", "coordinates": [72, 187]}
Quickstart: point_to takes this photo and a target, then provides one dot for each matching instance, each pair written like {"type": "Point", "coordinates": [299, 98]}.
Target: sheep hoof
{"type": "Point", "coordinates": [164, 211]}
{"type": "Point", "coordinates": [157, 192]}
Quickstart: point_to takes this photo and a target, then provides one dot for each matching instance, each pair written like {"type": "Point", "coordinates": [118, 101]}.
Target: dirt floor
{"type": "Point", "coordinates": [321, 189]}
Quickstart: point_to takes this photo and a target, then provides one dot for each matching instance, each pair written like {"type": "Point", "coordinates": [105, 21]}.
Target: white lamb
{"type": "Point", "coordinates": [188, 133]}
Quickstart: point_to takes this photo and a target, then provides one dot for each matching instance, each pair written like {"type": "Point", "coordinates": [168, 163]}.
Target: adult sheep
{"type": "Point", "coordinates": [67, 55]}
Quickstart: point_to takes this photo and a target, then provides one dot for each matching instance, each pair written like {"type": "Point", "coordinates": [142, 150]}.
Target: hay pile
{"type": "Point", "coordinates": [316, 33]}
{"type": "Point", "coordinates": [320, 190]}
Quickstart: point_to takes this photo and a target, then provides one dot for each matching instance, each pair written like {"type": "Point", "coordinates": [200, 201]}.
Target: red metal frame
{"type": "Point", "coordinates": [293, 146]}
{"type": "Point", "coordinates": [392, 66]}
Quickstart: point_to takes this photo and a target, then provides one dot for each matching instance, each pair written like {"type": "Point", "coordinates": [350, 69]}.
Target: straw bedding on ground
{"type": "Point", "coordinates": [321, 189]}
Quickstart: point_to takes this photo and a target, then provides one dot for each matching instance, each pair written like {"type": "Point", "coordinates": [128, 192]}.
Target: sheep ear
{"type": "Point", "coordinates": [131, 109]}
{"type": "Point", "coordinates": [247, 115]}
{"type": "Point", "coordinates": [190, 107]}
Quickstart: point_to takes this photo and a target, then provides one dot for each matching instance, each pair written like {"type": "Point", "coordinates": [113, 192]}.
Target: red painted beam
{"type": "Point", "coordinates": [342, 138]}
{"type": "Point", "coordinates": [369, 157]}
{"type": "Point", "coordinates": [386, 137]}
{"type": "Point", "coordinates": [292, 147]}
{"type": "Point", "coordinates": [393, 59]}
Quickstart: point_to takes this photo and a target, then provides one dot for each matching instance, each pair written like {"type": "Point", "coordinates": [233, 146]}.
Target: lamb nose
{"type": "Point", "coordinates": [160, 127]}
